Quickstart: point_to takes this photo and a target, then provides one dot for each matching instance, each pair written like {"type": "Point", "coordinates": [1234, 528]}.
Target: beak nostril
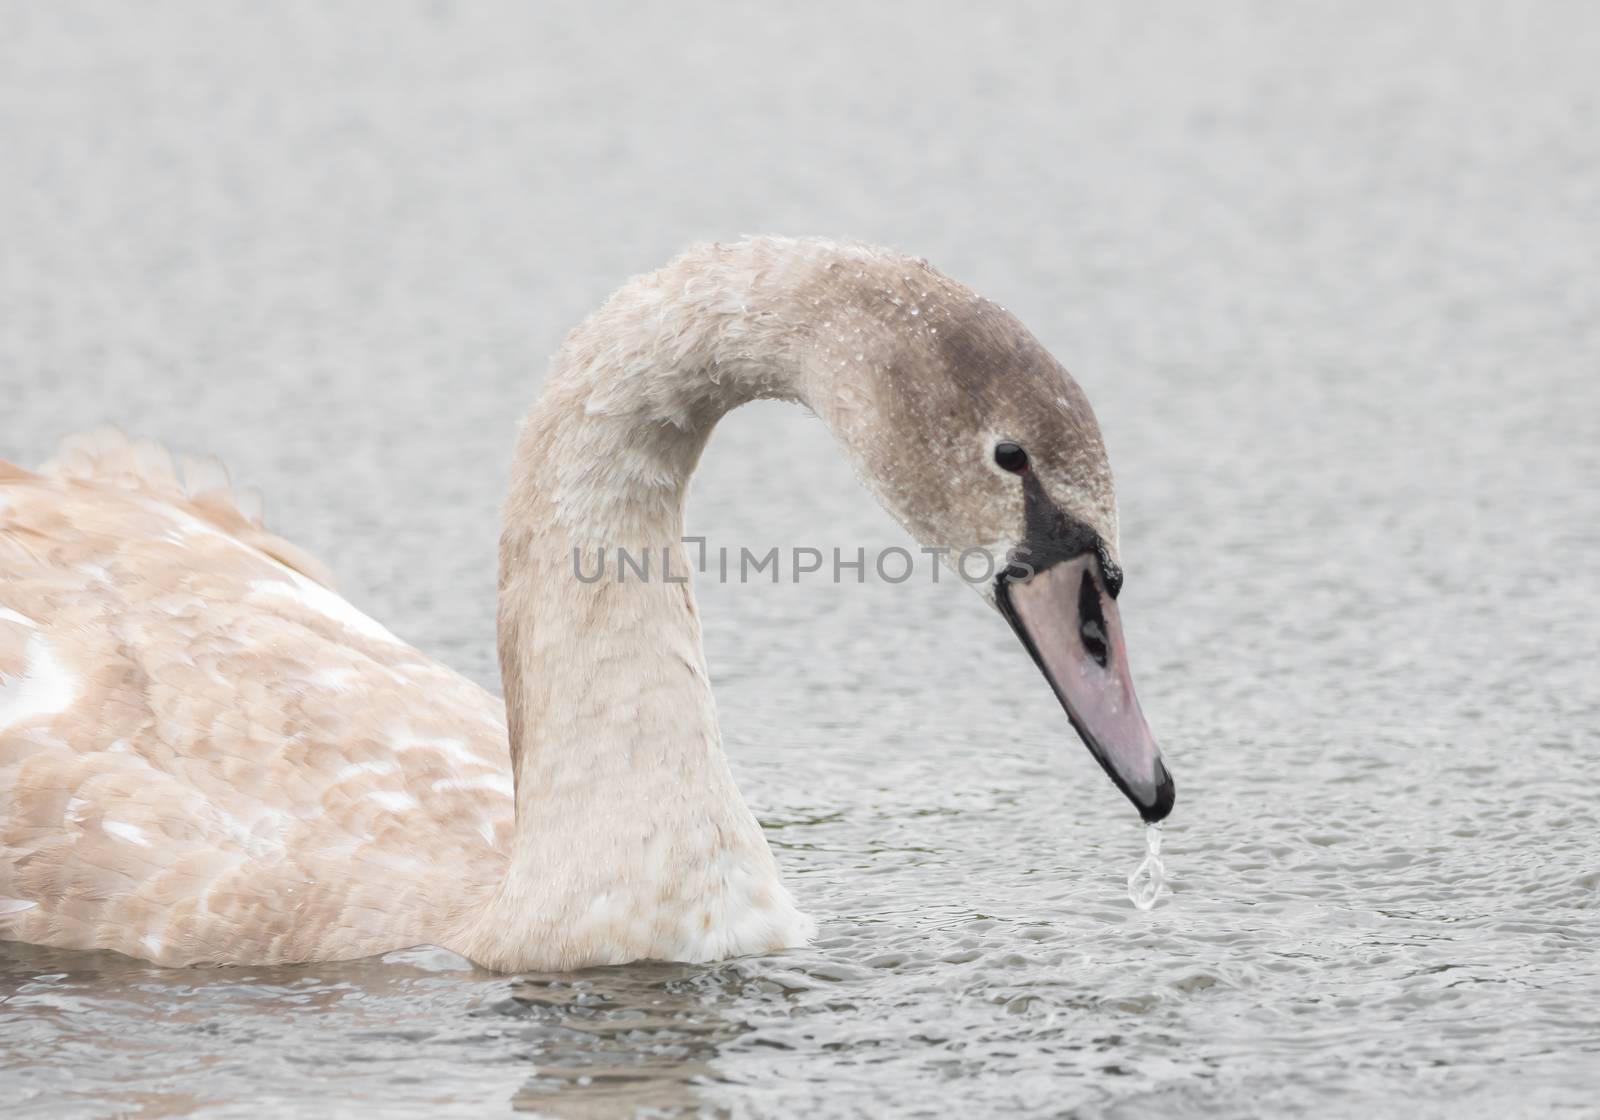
{"type": "Point", "coordinates": [1092, 622]}
{"type": "Point", "coordinates": [1094, 640]}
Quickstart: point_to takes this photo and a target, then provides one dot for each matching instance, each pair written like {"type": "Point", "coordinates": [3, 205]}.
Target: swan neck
{"type": "Point", "coordinates": [594, 522]}
{"type": "Point", "coordinates": [623, 794]}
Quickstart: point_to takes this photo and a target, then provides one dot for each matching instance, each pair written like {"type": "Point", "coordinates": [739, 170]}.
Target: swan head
{"type": "Point", "coordinates": [982, 445]}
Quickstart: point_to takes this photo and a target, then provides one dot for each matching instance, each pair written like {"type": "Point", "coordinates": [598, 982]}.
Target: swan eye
{"type": "Point", "coordinates": [1010, 456]}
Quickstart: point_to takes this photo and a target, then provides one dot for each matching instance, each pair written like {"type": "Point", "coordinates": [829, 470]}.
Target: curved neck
{"type": "Point", "coordinates": [623, 794]}
{"type": "Point", "coordinates": [601, 473]}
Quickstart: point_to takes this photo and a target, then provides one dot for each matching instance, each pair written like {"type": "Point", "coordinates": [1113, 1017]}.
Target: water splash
{"type": "Point", "coordinates": [1149, 879]}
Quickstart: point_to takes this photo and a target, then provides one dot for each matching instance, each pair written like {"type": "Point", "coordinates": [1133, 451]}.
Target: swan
{"type": "Point", "coordinates": [208, 756]}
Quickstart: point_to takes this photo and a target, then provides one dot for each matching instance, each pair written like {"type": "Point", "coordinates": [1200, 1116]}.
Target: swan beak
{"type": "Point", "coordinates": [1072, 628]}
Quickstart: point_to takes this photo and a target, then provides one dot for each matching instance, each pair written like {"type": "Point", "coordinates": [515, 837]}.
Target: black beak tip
{"type": "Point", "coordinates": [1166, 794]}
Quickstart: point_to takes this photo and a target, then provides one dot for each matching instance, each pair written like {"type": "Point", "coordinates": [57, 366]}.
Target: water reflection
{"type": "Point", "coordinates": [621, 1042]}
{"type": "Point", "coordinates": [639, 1040]}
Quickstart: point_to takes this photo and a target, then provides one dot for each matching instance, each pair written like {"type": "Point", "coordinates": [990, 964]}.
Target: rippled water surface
{"type": "Point", "coordinates": [1330, 282]}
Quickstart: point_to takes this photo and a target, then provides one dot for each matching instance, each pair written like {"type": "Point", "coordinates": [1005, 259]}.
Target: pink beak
{"type": "Point", "coordinates": [1071, 626]}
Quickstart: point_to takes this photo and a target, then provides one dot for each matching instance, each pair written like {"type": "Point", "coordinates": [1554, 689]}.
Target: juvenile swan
{"type": "Point", "coordinates": [207, 755]}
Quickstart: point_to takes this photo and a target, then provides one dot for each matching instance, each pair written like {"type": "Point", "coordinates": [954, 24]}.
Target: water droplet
{"type": "Point", "coordinates": [1149, 879]}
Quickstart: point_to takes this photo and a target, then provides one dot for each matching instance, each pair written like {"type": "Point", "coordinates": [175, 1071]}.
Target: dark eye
{"type": "Point", "coordinates": [1010, 457]}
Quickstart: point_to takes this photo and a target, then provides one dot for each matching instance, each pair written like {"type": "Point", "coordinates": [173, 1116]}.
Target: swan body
{"type": "Point", "coordinates": [209, 756]}
{"type": "Point", "coordinates": [206, 753]}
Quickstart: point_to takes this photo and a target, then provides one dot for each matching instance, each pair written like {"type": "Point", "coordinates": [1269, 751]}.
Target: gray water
{"type": "Point", "coordinates": [1330, 281]}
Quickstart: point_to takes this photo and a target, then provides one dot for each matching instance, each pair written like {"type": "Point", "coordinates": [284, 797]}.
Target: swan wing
{"type": "Point", "coordinates": [206, 753]}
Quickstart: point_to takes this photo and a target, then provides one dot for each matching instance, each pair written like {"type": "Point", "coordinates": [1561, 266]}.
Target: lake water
{"type": "Point", "coordinates": [1330, 281]}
